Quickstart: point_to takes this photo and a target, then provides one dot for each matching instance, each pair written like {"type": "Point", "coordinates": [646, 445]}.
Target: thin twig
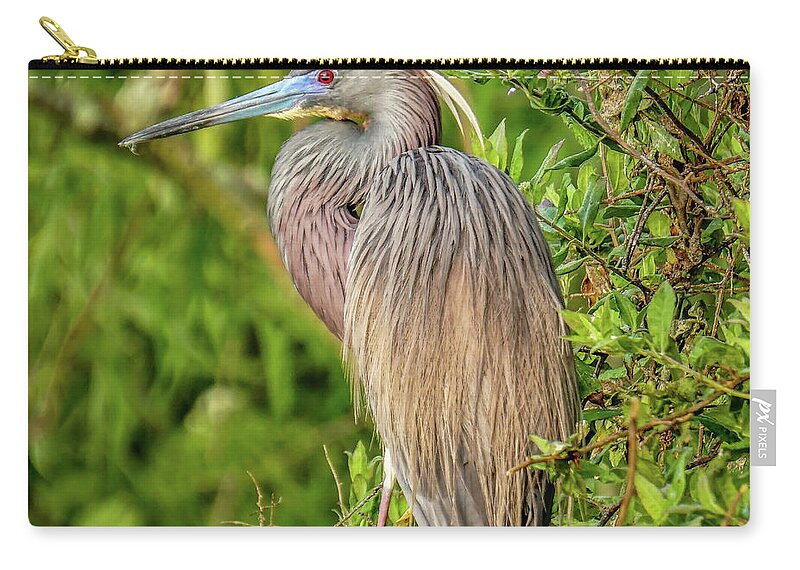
{"type": "Point", "coordinates": [625, 196]}
{"type": "Point", "coordinates": [608, 513]}
{"type": "Point", "coordinates": [272, 505]}
{"type": "Point", "coordinates": [726, 100]}
{"type": "Point", "coordinates": [700, 434]}
{"type": "Point", "coordinates": [704, 459]}
{"type": "Point", "coordinates": [699, 147]}
{"type": "Point", "coordinates": [360, 504]}
{"type": "Point", "coordinates": [694, 374]}
{"type": "Point", "coordinates": [259, 501]}
{"type": "Point", "coordinates": [609, 194]}
{"type": "Point", "coordinates": [633, 444]}
{"type": "Point", "coordinates": [641, 220]}
{"type": "Point", "coordinates": [721, 294]}
{"type": "Point", "coordinates": [680, 93]}
{"type": "Point", "coordinates": [669, 421]}
{"type": "Point", "coordinates": [335, 478]}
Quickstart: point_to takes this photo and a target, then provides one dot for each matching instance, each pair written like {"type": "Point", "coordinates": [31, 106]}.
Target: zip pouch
{"type": "Point", "coordinates": [528, 281]}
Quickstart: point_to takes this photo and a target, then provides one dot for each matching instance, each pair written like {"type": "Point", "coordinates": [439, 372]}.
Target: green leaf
{"type": "Point", "coordinates": [742, 210]}
{"type": "Point", "coordinates": [659, 241]}
{"type": "Point", "coordinates": [398, 505]}
{"type": "Point", "coordinates": [633, 99]}
{"type": "Point", "coordinates": [659, 316]}
{"type": "Point", "coordinates": [653, 501]}
{"type": "Point", "coordinates": [615, 164]}
{"type": "Point", "coordinates": [645, 467]}
{"type": "Point", "coordinates": [627, 345]}
{"type": "Point", "coordinates": [587, 381]}
{"type": "Point", "coordinates": [725, 433]}
{"type": "Point", "coordinates": [591, 203]}
{"type": "Point", "coordinates": [659, 224]}
{"type": "Point", "coordinates": [587, 174]}
{"type": "Point", "coordinates": [359, 488]}
{"type": "Point", "coordinates": [664, 142]}
{"type": "Point", "coordinates": [622, 209]}
{"type": "Point", "coordinates": [594, 415]}
{"type": "Point", "coordinates": [647, 266]}
{"type": "Point", "coordinates": [742, 305]}
{"type": "Point", "coordinates": [581, 325]}
{"type": "Point", "coordinates": [707, 351]}
{"type": "Point", "coordinates": [706, 496]}
{"type": "Point", "coordinates": [536, 184]}
{"type": "Point", "coordinates": [570, 266]}
{"type": "Point", "coordinates": [545, 446]}
{"type": "Point", "coordinates": [561, 255]}
{"type": "Point", "coordinates": [589, 469]}
{"type": "Point", "coordinates": [357, 460]}
{"type": "Point", "coordinates": [616, 253]}
{"type": "Point", "coordinates": [576, 159]}
{"type": "Point", "coordinates": [627, 310]}
{"type": "Point", "coordinates": [553, 100]}
{"type": "Point", "coordinates": [500, 145]}
{"type": "Point", "coordinates": [585, 138]}
{"type": "Point", "coordinates": [741, 445]}
{"type": "Point", "coordinates": [677, 485]}
{"type": "Point", "coordinates": [517, 158]}
{"type": "Point", "coordinates": [611, 373]}
{"type": "Point", "coordinates": [478, 149]}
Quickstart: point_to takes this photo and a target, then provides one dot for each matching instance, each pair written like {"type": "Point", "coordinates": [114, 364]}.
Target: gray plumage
{"type": "Point", "coordinates": [443, 293]}
{"type": "Point", "coordinates": [453, 329]}
{"type": "Point", "coordinates": [325, 170]}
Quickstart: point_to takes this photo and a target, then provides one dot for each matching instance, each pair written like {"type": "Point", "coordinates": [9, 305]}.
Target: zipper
{"type": "Point", "coordinates": [73, 53]}
{"type": "Point", "coordinates": [79, 57]}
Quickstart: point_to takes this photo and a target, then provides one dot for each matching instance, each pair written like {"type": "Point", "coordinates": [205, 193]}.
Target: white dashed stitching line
{"type": "Point", "coordinates": [463, 77]}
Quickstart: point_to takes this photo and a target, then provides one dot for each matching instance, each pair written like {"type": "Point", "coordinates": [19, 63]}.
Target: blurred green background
{"type": "Point", "coordinates": [168, 351]}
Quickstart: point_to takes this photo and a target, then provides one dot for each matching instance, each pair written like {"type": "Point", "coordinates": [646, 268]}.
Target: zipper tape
{"type": "Point", "coordinates": [391, 63]}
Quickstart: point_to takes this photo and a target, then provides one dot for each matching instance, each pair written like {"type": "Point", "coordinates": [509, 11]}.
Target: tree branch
{"type": "Point", "coordinates": [600, 261]}
{"type": "Point", "coordinates": [360, 504]}
{"type": "Point", "coordinates": [667, 173]}
{"type": "Point", "coordinates": [633, 444]}
{"type": "Point", "coordinates": [669, 421]}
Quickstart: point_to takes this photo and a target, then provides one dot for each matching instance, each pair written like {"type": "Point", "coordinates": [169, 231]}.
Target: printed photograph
{"type": "Point", "coordinates": [389, 297]}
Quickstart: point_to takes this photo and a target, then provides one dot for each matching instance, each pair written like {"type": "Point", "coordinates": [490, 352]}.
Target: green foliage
{"type": "Point", "coordinates": [656, 279]}
{"type": "Point", "coordinates": [168, 353]}
{"type": "Point", "coordinates": [365, 483]}
{"type": "Point", "coordinates": [633, 99]}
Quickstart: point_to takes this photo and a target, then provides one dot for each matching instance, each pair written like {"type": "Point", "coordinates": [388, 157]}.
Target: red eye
{"type": "Point", "coordinates": [325, 76]}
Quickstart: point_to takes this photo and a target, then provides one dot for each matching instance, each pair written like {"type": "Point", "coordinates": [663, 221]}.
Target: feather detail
{"type": "Point", "coordinates": [453, 330]}
{"type": "Point", "coordinates": [455, 102]}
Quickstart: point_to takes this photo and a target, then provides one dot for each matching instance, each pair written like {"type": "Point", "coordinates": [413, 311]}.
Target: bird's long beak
{"type": "Point", "coordinates": [274, 99]}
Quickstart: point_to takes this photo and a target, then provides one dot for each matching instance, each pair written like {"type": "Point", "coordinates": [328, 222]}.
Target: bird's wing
{"type": "Point", "coordinates": [452, 330]}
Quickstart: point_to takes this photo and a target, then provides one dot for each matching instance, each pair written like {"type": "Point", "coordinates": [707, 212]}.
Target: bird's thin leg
{"type": "Point", "coordinates": [388, 487]}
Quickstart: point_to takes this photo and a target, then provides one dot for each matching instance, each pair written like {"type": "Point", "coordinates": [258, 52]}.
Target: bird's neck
{"type": "Point", "coordinates": [332, 162]}
{"type": "Point", "coordinates": [321, 175]}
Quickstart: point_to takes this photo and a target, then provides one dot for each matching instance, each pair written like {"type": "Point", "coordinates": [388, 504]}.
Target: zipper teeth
{"type": "Point", "coordinates": [439, 63]}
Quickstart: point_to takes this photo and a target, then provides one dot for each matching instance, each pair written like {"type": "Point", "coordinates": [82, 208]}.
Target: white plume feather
{"type": "Point", "coordinates": [455, 102]}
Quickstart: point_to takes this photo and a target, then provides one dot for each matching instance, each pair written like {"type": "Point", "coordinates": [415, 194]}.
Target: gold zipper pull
{"type": "Point", "coordinates": [72, 53]}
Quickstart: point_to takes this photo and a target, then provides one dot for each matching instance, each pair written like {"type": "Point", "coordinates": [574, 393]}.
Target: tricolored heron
{"type": "Point", "coordinates": [431, 268]}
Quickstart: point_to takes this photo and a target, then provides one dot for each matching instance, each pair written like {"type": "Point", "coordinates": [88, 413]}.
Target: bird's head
{"type": "Point", "coordinates": [336, 94]}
